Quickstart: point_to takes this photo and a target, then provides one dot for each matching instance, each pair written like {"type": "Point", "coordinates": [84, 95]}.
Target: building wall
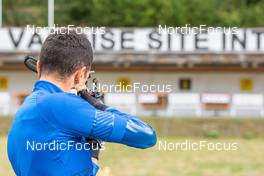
{"type": "Point", "coordinates": [201, 82]}
{"type": "Point", "coordinates": [21, 82]}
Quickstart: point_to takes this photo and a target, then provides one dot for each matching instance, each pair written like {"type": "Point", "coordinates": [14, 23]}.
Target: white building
{"type": "Point", "coordinates": [213, 74]}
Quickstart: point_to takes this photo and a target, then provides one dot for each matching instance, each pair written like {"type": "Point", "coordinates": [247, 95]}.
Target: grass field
{"type": "Point", "coordinates": [117, 160]}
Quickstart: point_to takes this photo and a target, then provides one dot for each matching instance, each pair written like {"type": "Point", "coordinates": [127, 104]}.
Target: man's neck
{"type": "Point", "coordinates": [63, 85]}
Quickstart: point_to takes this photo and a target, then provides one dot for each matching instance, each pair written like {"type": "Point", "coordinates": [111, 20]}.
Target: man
{"type": "Point", "coordinates": [48, 135]}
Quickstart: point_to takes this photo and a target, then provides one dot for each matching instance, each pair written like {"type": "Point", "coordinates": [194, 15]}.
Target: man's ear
{"type": "Point", "coordinates": [80, 75]}
{"type": "Point", "coordinates": [38, 69]}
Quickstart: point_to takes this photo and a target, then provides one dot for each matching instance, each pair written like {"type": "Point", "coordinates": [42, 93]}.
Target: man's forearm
{"type": "Point", "coordinates": [95, 145]}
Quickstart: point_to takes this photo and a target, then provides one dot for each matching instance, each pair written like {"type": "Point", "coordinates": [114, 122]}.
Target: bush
{"type": "Point", "coordinates": [213, 134]}
{"type": "Point", "coordinates": [137, 13]}
{"type": "Point", "coordinates": [249, 135]}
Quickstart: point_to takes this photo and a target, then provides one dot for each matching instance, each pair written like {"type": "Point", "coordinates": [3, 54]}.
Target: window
{"type": "Point", "coordinates": [124, 82]}
{"type": "Point", "coordinates": [246, 85]}
{"type": "Point", "coordinates": [3, 83]}
{"type": "Point", "coordinates": [185, 84]}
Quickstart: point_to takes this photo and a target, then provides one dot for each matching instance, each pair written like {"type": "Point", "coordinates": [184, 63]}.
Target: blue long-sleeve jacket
{"type": "Point", "coordinates": [47, 135]}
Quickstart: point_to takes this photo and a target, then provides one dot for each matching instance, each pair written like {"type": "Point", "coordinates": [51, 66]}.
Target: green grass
{"type": "Point", "coordinates": [119, 160]}
{"type": "Point", "coordinates": [196, 127]}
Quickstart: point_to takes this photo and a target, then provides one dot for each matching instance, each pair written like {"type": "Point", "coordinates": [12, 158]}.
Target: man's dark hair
{"type": "Point", "coordinates": [64, 53]}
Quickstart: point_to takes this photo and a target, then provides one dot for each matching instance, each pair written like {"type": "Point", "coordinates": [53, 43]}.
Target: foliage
{"type": "Point", "coordinates": [138, 13]}
{"type": "Point", "coordinates": [249, 135]}
{"type": "Point", "coordinates": [212, 134]}
{"type": "Point", "coordinates": [23, 12]}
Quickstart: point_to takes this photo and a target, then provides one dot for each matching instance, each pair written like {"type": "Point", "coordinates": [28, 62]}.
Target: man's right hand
{"type": "Point", "coordinates": [93, 101]}
{"type": "Point", "coordinates": [95, 146]}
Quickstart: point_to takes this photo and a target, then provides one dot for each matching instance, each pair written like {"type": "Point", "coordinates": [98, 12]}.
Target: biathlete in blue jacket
{"type": "Point", "coordinates": [53, 131]}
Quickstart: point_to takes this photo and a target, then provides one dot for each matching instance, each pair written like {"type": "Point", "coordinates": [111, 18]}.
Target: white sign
{"type": "Point", "coordinates": [148, 98]}
{"type": "Point", "coordinates": [248, 99]}
{"type": "Point", "coordinates": [4, 103]}
{"type": "Point", "coordinates": [144, 40]}
{"type": "Point", "coordinates": [216, 98]}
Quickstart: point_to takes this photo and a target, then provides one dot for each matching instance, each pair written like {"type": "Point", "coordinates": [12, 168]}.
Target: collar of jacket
{"type": "Point", "coordinates": [46, 86]}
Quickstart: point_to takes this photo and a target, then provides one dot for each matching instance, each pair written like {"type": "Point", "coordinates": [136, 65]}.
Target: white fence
{"type": "Point", "coordinates": [247, 105]}
{"type": "Point", "coordinates": [193, 104]}
{"type": "Point", "coordinates": [177, 104]}
{"type": "Point", "coordinates": [4, 103]}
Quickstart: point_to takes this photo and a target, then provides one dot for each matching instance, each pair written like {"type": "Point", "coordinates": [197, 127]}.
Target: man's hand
{"type": "Point", "coordinates": [93, 101]}
{"type": "Point", "coordinates": [95, 146]}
